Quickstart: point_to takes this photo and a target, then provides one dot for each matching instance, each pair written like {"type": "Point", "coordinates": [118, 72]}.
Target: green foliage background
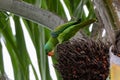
{"type": "Point", "coordinates": [39, 35]}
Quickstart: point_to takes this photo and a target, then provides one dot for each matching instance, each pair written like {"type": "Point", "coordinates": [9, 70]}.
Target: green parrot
{"type": "Point", "coordinates": [53, 41]}
{"type": "Point", "coordinates": [63, 33]}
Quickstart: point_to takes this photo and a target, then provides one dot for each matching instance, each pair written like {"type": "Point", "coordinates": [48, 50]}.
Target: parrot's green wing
{"type": "Point", "coordinates": [71, 31]}
{"type": "Point", "coordinates": [61, 28]}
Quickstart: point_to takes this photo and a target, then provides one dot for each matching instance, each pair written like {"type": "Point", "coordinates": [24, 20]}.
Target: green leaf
{"type": "Point", "coordinates": [18, 75]}
{"type": "Point", "coordinates": [38, 37]}
{"type": "Point", "coordinates": [44, 59]}
{"type": "Point", "coordinates": [1, 60]}
{"type": "Point", "coordinates": [30, 1]}
{"type": "Point", "coordinates": [10, 44]}
{"type": "Point", "coordinates": [32, 27]}
{"type": "Point", "coordinates": [24, 59]}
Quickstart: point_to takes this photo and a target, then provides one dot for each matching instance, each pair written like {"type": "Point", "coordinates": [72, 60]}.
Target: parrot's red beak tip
{"type": "Point", "coordinates": [51, 53]}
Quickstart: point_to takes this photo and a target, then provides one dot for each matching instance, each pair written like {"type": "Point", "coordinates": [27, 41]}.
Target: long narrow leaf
{"type": "Point", "coordinates": [44, 59]}
{"type": "Point", "coordinates": [22, 52]}
{"type": "Point", "coordinates": [18, 75]}
{"type": "Point", "coordinates": [1, 60]}
{"type": "Point", "coordinates": [10, 44]}
{"type": "Point", "coordinates": [37, 36]}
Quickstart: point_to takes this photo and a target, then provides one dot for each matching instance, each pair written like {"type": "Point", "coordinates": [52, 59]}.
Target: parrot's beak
{"type": "Point", "coordinates": [51, 53]}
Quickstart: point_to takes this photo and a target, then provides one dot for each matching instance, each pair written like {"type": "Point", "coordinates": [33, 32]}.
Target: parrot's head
{"type": "Point", "coordinates": [49, 50]}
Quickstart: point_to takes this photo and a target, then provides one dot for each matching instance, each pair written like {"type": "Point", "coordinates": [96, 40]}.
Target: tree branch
{"type": "Point", "coordinates": [31, 12]}
{"type": "Point", "coordinates": [100, 7]}
{"type": "Point", "coordinates": [114, 9]}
